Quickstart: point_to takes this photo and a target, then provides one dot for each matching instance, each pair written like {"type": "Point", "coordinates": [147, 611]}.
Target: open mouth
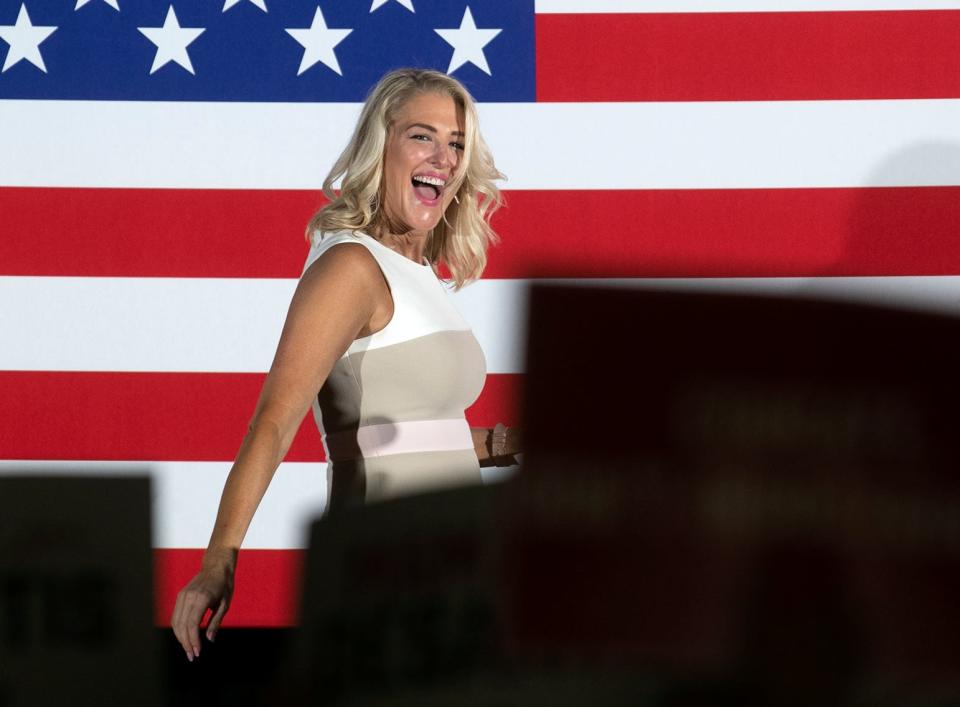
{"type": "Point", "coordinates": [427, 188]}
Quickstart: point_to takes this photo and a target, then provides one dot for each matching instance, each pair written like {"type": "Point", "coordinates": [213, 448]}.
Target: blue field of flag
{"type": "Point", "coordinates": [259, 50]}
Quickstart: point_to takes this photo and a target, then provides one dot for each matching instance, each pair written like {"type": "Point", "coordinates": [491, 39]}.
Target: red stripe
{"type": "Point", "coordinates": [267, 584]}
{"type": "Point", "coordinates": [730, 233]}
{"type": "Point", "coordinates": [642, 233]}
{"type": "Point", "coordinates": [162, 416]}
{"type": "Point", "coordinates": [154, 232]}
{"type": "Point", "coordinates": [748, 56]}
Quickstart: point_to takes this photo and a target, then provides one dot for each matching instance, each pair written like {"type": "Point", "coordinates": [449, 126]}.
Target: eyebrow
{"type": "Point", "coordinates": [432, 129]}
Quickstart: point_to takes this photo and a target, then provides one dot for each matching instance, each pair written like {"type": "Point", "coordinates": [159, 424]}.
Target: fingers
{"type": "Point", "coordinates": [210, 589]}
{"type": "Point", "coordinates": [178, 625]}
{"type": "Point", "coordinates": [188, 612]}
{"type": "Point", "coordinates": [214, 624]}
{"type": "Point", "coordinates": [193, 633]}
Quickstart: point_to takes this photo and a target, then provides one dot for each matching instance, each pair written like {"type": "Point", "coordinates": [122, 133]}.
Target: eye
{"type": "Point", "coordinates": [457, 146]}
{"type": "Point", "coordinates": [420, 136]}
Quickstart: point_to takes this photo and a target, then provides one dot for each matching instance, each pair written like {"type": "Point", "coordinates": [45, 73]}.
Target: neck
{"type": "Point", "coordinates": [410, 244]}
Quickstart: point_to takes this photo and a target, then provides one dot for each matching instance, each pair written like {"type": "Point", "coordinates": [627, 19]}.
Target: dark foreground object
{"type": "Point", "coordinates": [240, 670]}
{"type": "Point", "coordinates": [760, 491]}
{"type": "Point", "coordinates": [75, 588]}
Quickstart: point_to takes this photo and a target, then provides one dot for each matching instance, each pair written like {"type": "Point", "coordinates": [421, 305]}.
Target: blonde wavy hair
{"type": "Point", "coordinates": [461, 239]}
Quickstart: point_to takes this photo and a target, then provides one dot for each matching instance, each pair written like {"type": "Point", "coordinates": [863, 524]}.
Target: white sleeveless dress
{"type": "Point", "coordinates": [391, 412]}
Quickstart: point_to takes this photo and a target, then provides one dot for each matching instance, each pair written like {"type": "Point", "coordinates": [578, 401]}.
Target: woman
{"type": "Point", "coordinates": [370, 327]}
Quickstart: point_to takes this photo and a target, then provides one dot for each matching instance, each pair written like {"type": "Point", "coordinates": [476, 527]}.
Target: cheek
{"type": "Point", "coordinates": [414, 155]}
{"type": "Point", "coordinates": [398, 170]}
{"type": "Point", "coordinates": [397, 179]}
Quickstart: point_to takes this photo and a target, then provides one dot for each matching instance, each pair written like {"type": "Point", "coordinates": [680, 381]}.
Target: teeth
{"type": "Point", "coordinates": [434, 181]}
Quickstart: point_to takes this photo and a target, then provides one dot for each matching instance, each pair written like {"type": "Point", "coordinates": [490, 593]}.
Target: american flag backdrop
{"type": "Point", "coordinates": [159, 160]}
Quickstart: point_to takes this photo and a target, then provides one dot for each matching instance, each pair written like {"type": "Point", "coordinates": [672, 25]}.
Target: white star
{"type": "Point", "coordinates": [172, 41]}
{"type": "Point", "coordinates": [468, 43]}
{"type": "Point", "coordinates": [380, 3]}
{"type": "Point", "coordinates": [24, 40]}
{"type": "Point", "coordinates": [262, 4]}
{"type": "Point", "coordinates": [111, 3]}
{"type": "Point", "coordinates": [318, 43]}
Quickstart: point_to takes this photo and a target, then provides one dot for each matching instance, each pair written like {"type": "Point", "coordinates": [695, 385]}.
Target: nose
{"type": "Point", "coordinates": [444, 156]}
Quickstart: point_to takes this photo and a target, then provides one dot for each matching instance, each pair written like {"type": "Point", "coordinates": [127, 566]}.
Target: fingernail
{"type": "Point", "coordinates": [190, 657]}
{"type": "Point", "coordinates": [196, 652]}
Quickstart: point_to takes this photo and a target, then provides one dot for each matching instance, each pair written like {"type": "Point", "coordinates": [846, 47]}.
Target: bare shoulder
{"type": "Point", "coordinates": [345, 278]}
{"type": "Point", "coordinates": [346, 262]}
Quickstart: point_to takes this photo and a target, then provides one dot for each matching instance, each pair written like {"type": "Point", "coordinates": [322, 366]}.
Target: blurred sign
{"type": "Point", "coordinates": [760, 491]}
{"type": "Point", "coordinates": [400, 597]}
{"type": "Point", "coordinates": [75, 592]}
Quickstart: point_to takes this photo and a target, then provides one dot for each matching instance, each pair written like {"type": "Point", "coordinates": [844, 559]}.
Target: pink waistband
{"type": "Point", "coordinates": [399, 438]}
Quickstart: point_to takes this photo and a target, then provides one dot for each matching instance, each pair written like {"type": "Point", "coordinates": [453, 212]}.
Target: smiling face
{"type": "Point", "coordinates": [424, 148]}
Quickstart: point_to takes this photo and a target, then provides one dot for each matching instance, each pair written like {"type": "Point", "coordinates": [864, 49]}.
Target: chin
{"type": "Point", "coordinates": [426, 224]}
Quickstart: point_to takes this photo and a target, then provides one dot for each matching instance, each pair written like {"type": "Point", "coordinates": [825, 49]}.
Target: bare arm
{"type": "Point", "coordinates": [342, 295]}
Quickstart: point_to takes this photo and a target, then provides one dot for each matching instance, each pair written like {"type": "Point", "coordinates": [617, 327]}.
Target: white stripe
{"type": "Point", "coordinates": [188, 324]}
{"type": "Point", "coordinates": [593, 7]}
{"type": "Point", "coordinates": [186, 495]}
{"type": "Point", "coordinates": [226, 325]}
{"type": "Point", "coordinates": [539, 146]}
{"type": "Point", "coordinates": [134, 324]}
